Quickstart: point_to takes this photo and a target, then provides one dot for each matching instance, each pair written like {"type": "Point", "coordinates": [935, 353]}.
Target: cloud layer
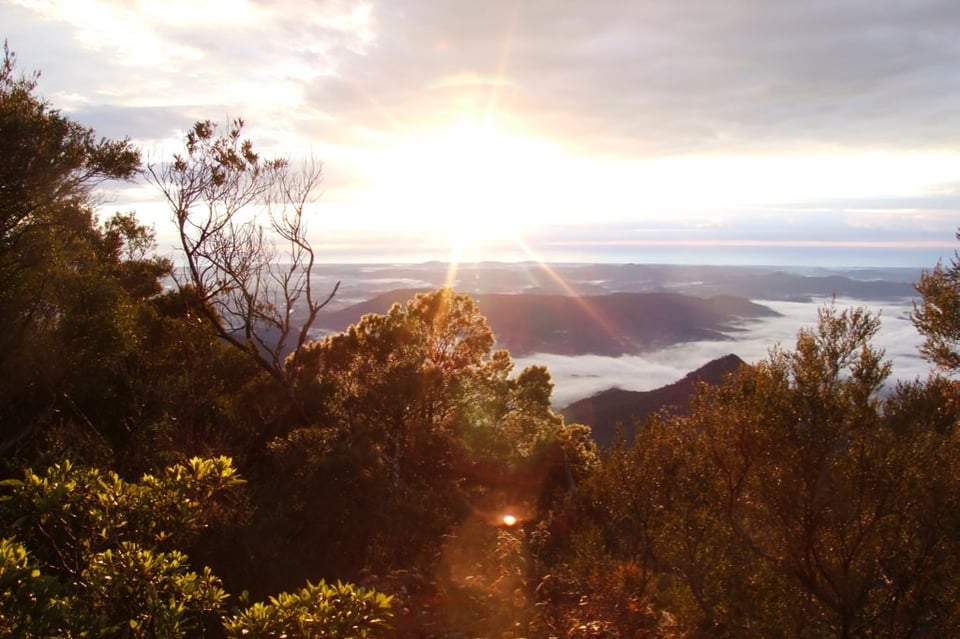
{"type": "Point", "coordinates": [639, 78]}
{"type": "Point", "coordinates": [579, 377]}
{"type": "Point", "coordinates": [657, 77]}
{"type": "Point", "coordinates": [848, 111]}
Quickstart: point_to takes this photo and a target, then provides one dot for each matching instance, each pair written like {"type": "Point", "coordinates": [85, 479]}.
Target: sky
{"type": "Point", "coordinates": [743, 131]}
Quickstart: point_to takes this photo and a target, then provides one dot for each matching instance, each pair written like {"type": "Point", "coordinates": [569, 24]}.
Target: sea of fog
{"type": "Point", "coordinates": [582, 376]}
{"type": "Point", "coordinates": [576, 377]}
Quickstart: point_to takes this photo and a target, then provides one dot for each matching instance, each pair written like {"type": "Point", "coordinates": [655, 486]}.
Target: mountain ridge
{"type": "Point", "coordinates": [611, 325]}
{"type": "Point", "coordinates": [603, 411]}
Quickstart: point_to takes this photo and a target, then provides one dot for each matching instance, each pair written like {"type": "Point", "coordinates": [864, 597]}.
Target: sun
{"type": "Point", "coordinates": [474, 191]}
{"type": "Point", "coordinates": [469, 184]}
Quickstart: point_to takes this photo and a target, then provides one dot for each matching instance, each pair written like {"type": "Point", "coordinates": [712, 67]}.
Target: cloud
{"type": "Point", "coordinates": [701, 113]}
{"type": "Point", "coordinates": [668, 77]}
{"type": "Point", "coordinates": [579, 377]}
{"type": "Point", "coordinates": [152, 124]}
{"type": "Point", "coordinates": [222, 59]}
{"type": "Point", "coordinates": [640, 78]}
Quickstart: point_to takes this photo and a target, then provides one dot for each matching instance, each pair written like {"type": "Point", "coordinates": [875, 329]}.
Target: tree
{"type": "Point", "coordinates": [258, 299]}
{"type": "Point", "coordinates": [794, 500]}
{"type": "Point", "coordinates": [414, 422]}
{"type": "Point", "coordinates": [49, 167]}
{"type": "Point", "coordinates": [102, 552]}
{"type": "Point", "coordinates": [69, 287]}
{"type": "Point", "coordinates": [416, 380]}
{"type": "Point", "coordinates": [937, 316]}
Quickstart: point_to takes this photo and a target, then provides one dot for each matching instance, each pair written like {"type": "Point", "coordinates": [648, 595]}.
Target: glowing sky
{"type": "Point", "coordinates": [678, 130]}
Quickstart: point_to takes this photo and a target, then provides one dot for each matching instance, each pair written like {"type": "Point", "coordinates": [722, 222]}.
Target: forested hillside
{"type": "Point", "coordinates": [186, 462]}
{"type": "Point", "coordinates": [615, 408]}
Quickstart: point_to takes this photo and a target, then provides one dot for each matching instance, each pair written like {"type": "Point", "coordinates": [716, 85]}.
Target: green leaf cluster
{"type": "Point", "coordinates": [95, 555]}
{"type": "Point", "coordinates": [331, 611]}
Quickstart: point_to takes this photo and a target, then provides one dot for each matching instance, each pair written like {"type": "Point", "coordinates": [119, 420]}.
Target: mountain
{"type": "Point", "coordinates": [603, 411]}
{"type": "Point", "coordinates": [753, 282]}
{"type": "Point", "coordinates": [612, 325]}
{"type": "Point", "coordinates": [781, 285]}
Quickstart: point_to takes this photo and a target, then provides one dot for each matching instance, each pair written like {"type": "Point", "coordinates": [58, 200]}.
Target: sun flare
{"type": "Point", "coordinates": [470, 184]}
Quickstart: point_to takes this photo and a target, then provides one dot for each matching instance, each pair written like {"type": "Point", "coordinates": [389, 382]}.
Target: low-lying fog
{"type": "Point", "coordinates": [582, 376]}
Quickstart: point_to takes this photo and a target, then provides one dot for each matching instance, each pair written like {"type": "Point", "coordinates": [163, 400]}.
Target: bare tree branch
{"type": "Point", "coordinates": [243, 233]}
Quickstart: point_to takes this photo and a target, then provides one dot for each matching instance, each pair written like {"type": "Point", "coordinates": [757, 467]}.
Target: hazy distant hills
{"type": "Point", "coordinates": [794, 287]}
{"type": "Point", "coordinates": [752, 282]}
{"type": "Point", "coordinates": [603, 411]}
{"type": "Point", "coordinates": [612, 325]}
{"type": "Point", "coordinates": [613, 310]}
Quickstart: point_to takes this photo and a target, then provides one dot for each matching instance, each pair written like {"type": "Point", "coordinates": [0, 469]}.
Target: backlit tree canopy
{"type": "Point", "coordinates": [415, 380]}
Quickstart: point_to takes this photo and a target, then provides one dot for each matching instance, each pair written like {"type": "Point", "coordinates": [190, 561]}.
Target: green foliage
{"type": "Point", "coordinates": [135, 592]}
{"type": "Point", "coordinates": [103, 562]}
{"type": "Point", "coordinates": [102, 557]}
{"type": "Point", "coordinates": [69, 288]}
{"type": "Point", "coordinates": [334, 611]}
{"type": "Point", "coordinates": [127, 591]}
{"type": "Point", "coordinates": [69, 513]}
{"type": "Point", "coordinates": [29, 601]}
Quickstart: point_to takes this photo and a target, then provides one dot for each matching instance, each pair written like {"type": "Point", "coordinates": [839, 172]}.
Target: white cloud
{"type": "Point", "coordinates": [628, 79]}
{"type": "Point", "coordinates": [678, 111]}
{"type": "Point", "coordinates": [579, 377]}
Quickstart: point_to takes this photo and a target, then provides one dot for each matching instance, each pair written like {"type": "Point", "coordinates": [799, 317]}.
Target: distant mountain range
{"type": "Point", "coordinates": [610, 310]}
{"type": "Point", "coordinates": [612, 325]}
{"type": "Point", "coordinates": [753, 282]}
{"type": "Point", "coordinates": [780, 285]}
{"type": "Point", "coordinates": [603, 411]}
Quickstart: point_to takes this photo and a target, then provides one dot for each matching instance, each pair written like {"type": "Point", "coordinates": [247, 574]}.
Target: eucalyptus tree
{"type": "Point", "coordinates": [242, 227]}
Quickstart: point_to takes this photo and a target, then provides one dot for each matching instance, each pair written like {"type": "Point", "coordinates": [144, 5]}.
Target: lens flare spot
{"type": "Point", "coordinates": [509, 520]}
